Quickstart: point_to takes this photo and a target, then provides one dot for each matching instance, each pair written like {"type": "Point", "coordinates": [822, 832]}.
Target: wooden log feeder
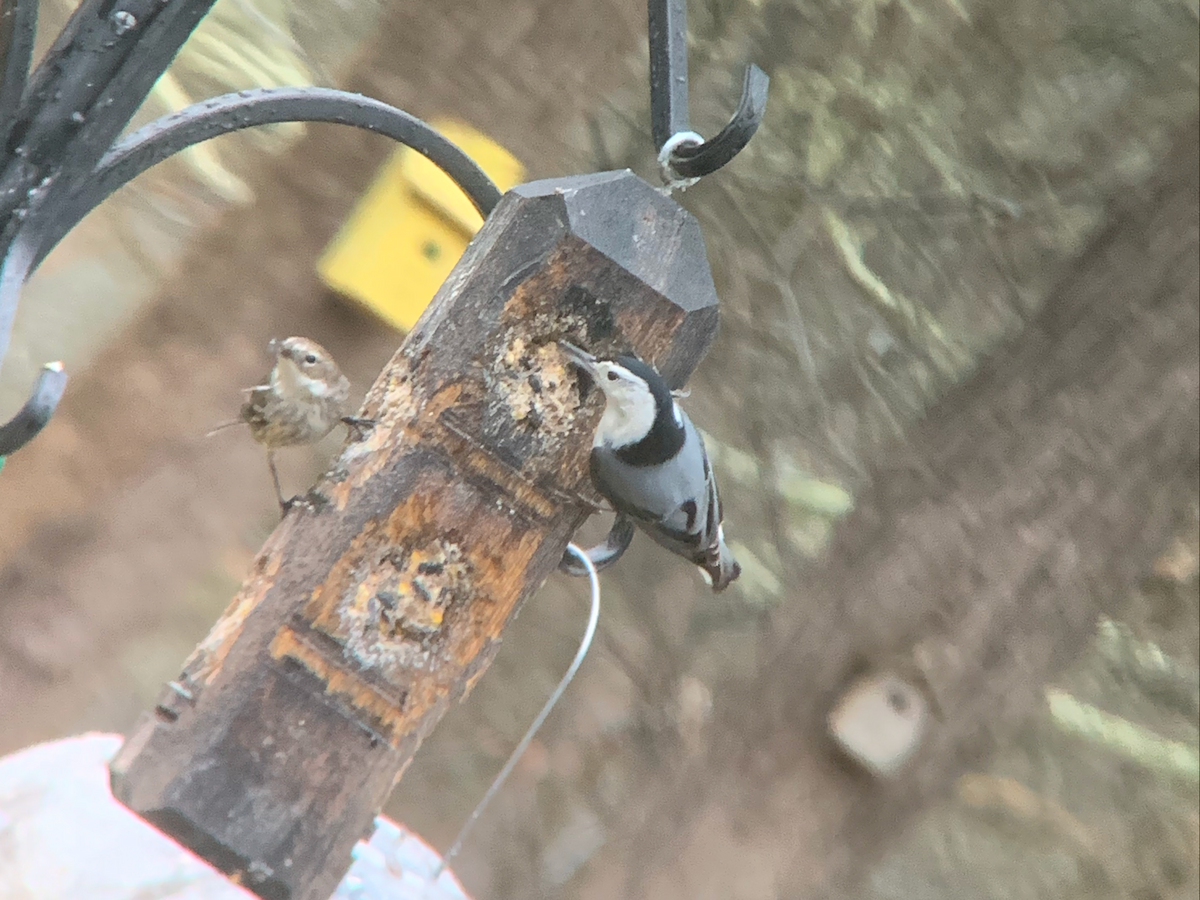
{"type": "Point", "coordinates": [379, 602]}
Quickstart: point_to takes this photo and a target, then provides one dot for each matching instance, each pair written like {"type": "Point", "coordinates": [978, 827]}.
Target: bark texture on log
{"type": "Point", "coordinates": [1028, 501]}
{"type": "Point", "coordinates": [379, 603]}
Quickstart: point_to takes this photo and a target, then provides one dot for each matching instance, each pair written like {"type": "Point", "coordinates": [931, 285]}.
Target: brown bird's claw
{"type": "Point", "coordinates": [314, 501]}
{"type": "Point", "coordinates": [303, 501]}
{"type": "Point", "coordinates": [359, 426]}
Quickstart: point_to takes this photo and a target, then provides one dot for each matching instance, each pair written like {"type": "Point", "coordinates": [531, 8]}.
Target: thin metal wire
{"type": "Point", "coordinates": [498, 782]}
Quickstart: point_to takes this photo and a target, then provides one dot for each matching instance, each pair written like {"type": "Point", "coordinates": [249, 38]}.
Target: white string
{"type": "Point", "coordinates": [584, 645]}
{"type": "Point", "coordinates": [672, 179]}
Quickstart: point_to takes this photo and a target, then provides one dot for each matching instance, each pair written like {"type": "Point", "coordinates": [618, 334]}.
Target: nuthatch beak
{"type": "Point", "coordinates": [580, 358]}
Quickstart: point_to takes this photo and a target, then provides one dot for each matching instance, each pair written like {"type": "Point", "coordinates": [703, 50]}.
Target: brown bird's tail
{"type": "Point", "coordinates": [225, 425]}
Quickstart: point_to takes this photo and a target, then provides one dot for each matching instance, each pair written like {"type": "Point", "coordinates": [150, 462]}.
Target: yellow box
{"type": "Point", "coordinates": [409, 229]}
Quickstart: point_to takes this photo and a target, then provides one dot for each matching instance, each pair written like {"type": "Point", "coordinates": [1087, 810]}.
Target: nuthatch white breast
{"type": "Point", "coordinates": [648, 460]}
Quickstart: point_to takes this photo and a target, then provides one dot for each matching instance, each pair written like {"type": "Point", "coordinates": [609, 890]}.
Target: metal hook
{"type": "Point", "coordinates": [669, 98]}
{"type": "Point", "coordinates": [32, 417]}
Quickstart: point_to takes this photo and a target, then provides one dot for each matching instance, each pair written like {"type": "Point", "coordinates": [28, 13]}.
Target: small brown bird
{"type": "Point", "coordinates": [304, 398]}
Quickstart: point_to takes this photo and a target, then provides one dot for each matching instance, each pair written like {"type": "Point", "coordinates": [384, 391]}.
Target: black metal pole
{"type": "Point", "coordinates": [667, 31]}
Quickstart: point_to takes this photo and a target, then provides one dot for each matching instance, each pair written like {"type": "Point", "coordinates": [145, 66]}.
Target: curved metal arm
{"type": "Point", "coordinates": [669, 98]}
{"type": "Point", "coordinates": [47, 391]}
{"type": "Point", "coordinates": [264, 106]}
{"type": "Point", "coordinates": [604, 554]}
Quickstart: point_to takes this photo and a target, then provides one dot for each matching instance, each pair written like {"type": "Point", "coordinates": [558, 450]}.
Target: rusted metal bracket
{"type": "Point", "coordinates": [372, 609]}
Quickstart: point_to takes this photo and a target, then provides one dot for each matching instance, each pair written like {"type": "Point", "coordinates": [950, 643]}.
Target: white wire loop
{"type": "Point", "coordinates": [672, 179]}
{"type": "Point", "coordinates": [498, 782]}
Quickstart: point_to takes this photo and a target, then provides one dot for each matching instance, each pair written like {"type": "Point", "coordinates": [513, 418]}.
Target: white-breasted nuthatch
{"type": "Point", "coordinates": [648, 460]}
